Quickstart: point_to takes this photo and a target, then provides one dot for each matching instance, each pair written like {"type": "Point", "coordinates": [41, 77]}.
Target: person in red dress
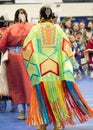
{"type": "Point", "coordinates": [12, 40]}
{"type": "Point", "coordinates": [89, 50]}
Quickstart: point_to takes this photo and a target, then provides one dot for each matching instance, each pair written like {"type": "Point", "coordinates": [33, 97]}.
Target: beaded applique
{"type": "Point", "coordinates": [48, 34]}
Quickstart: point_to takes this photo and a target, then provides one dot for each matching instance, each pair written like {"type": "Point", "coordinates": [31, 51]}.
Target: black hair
{"type": "Point", "coordinates": [17, 13]}
{"type": "Point", "coordinates": [46, 13]}
{"type": "Point", "coordinates": [88, 29]}
{"type": "Point", "coordinates": [2, 22]}
{"type": "Point", "coordinates": [79, 32]}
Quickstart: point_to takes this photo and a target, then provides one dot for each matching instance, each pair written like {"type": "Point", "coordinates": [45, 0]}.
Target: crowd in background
{"type": "Point", "coordinates": [80, 35]}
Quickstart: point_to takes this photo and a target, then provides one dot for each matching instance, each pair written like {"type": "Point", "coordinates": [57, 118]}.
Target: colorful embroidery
{"type": "Point", "coordinates": [48, 34]}
{"type": "Point", "coordinates": [66, 47]}
{"type": "Point", "coordinates": [47, 51]}
{"type": "Point", "coordinates": [33, 70]}
{"type": "Point", "coordinates": [49, 65]}
{"type": "Point", "coordinates": [28, 51]}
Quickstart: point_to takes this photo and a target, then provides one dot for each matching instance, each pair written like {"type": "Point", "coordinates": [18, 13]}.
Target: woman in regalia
{"type": "Point", "coordinates": [12, 40]}
{"type": "Point", "coordinates": [55, 97]}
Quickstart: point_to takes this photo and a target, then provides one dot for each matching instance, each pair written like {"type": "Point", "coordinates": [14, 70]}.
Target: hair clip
{"type": "Point", "coordinates": [47, 12]}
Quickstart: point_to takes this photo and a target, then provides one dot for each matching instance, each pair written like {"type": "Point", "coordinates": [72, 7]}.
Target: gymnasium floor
{"type": "Point", "coordinates": [9, 121]}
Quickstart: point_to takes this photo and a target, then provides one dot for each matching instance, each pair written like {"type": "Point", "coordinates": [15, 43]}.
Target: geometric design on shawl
{"type": "Point", "coordinates": [66, 47]}
{"type": "Point", "coordinates": [68, 70]}
{"type": "Point", "coordinates": [48, 34]}
{"type": "Point", "coordinates": [47, 51]}
{"type": "Point", "coordinates": [48, 66]}
{"type": "Point", "coordinates": [28, 51]}
{"type": "Point", "coordinates": [33, 70]}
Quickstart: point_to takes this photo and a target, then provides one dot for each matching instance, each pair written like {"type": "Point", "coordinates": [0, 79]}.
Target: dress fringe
{"type": "Point", "coordinates": [59, 102]}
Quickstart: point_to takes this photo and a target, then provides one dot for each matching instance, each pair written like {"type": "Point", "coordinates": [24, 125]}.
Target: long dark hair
{"type": "Point", "coordinates": [17, 13]}
{"type": "Point", "coordinates": [46, 13]}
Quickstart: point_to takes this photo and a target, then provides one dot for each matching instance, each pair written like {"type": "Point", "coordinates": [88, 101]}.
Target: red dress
{"type": "Point", "coordinates": [89, 48]}
{"type": "Point", "coordinates": [18, 79]}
